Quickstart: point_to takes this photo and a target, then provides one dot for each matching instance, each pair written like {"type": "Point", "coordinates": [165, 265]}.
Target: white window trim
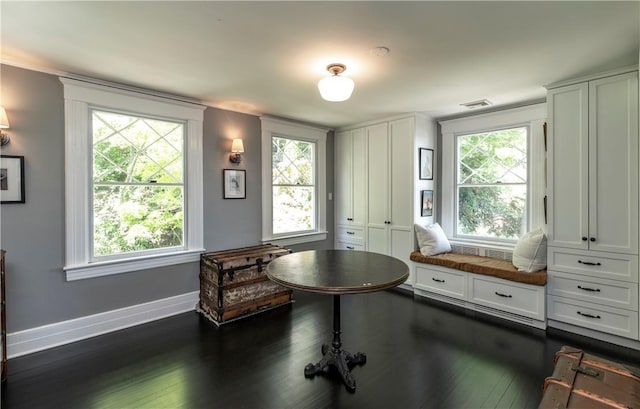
{"type": "Point", "coordinates": [79, 97]}
{"type": "Point", "coordinates": [278, 127]}
{"type": "Point", "coordinates": [532, 116]}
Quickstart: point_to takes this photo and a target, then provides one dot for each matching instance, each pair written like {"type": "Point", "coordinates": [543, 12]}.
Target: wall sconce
{"type": "Point", "coordinates": [4, 124]}
{"type": "Point", "coordinates": [236, 149]}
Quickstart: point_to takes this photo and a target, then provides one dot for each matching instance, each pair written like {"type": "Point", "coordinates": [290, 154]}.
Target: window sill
{"type": "Point", "coordinates": [106, 268]}
{"type": "Point", "coordinates": [484, 244]}
{"type": "Point", "coordinates": [296, 239]}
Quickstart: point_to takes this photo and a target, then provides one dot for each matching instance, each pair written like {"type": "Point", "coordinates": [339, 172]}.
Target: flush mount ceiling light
{"type": "Point", "coordinates": [336, 88]}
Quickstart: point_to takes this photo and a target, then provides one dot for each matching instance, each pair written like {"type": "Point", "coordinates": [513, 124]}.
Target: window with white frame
{"type": "Point", "coordinates": [133, 180]}
{"type": "Point", "coordinates": [493, 175]}
{"type": "Point", "coordinates": [293, 158]}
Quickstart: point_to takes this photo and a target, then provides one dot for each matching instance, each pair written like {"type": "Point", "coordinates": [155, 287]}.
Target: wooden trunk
{"type": "Point", "coordinates": [233, 283]}
{"type": "Point", "coordinates": [581, 380]}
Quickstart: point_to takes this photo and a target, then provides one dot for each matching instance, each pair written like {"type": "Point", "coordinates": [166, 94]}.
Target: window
{"type": "Point", "coordinates": [293, 158]}
{"type": "Point", "coordinates": [294, 190]}
{"type": "Point", "coordinates": [493, 178]}
{"type": "Point", "coordinates": [138, 184]}
{"type": "Point", "coordinates": [491, 184]}
{"type": "Point", "coordinates": [133, 180]}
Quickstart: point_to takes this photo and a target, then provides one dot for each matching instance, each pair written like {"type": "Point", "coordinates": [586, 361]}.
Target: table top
{"type": "Point", "coordinates": [337, 271]}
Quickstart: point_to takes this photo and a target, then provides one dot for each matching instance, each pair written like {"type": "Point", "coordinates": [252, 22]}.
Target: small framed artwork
{"type": "Point", "coordinates": [426, 203]}
{"type": "Point", "coordinates": [11, 179]}
{"type": "Point", "coordinates": [426, 163]}
{"type": "Point", "coordinates": [234, 182]}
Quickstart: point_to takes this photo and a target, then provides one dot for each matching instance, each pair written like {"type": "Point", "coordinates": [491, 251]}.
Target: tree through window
{"type": "Point", "coordinates": [293, 182]}
{"type": "Point", "coordinates": [491, 183]}
{"type": "Point", "coordinates": [138, 183]}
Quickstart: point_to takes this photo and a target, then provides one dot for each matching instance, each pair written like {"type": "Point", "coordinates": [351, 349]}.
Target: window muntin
{"type": "Point", "coordinates": [491, 184]}
{"type": "Point", "coordinates": [138, 184]}
{"type": "Point", "coordinates": [293, 185]}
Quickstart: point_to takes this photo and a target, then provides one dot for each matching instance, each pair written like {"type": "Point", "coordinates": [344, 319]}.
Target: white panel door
{"type": "Point", "coordinates": [378, 175]}
{"type": "Point", "coordinates": [401, 245]}
{"type": "Point", "coordinates": [613, 171]}
{"type": "Point", "coordinates": [568, 154]}
{"type": "Point", "coordinates": [359, 180]}
{"type": "Point", "coordinates": [401, 188]}
{"type": "Point", "coordinates": [343, 177]}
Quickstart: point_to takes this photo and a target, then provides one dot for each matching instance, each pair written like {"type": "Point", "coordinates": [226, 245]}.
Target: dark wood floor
{"type": "Point", "coordinates": [419, 355]}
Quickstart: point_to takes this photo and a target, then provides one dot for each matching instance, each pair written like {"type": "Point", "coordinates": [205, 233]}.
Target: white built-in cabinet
{"type": "Point", "coordinates": [376, 209]}
{"type": "Point", "coordinates": [593, 204]}
{"type": "Point", "coordinates": [350, 189]}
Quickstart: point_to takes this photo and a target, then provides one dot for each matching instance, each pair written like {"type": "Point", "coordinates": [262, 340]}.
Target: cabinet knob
{"type": "Point", "coordinates": [592, 239]}
{"type": "Point", "coordinates": [584, 239]}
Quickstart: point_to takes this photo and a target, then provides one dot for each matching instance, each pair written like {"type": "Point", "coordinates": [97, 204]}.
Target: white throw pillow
{"type": "Point", "coordinates": [530, 253]}
{"type": "Point", "coordinates": [432, 240]}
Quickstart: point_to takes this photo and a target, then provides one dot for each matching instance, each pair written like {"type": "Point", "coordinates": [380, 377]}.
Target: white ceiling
{"type": "Point", "coordinates": [267, 57]}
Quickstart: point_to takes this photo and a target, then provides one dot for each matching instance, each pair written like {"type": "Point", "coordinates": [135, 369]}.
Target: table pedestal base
{"type": "Point", "coordinates": [334, 356]}
{"type": "Point", "coordinates": [340, 359]}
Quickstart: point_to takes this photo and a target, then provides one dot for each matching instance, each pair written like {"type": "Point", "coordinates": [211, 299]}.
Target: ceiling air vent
{"type": "Point", "coordinates": [477, 104]}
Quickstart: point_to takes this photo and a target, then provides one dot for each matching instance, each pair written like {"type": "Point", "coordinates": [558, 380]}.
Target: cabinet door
{"type": "Point", "coordinates": [343, 177]}
{"type": "Point", "coordinates": [378, 239]}
{"type": "Point", "coordinates": [613, 164]}
{"type": "Point", "coordinates": [401, 166]}
{"type": "Point", "coordinates": [568, 155]}
{"type": "Point", "coordinates": [359, 180]}
{"type": "Point", "coordinates": [378, 175]}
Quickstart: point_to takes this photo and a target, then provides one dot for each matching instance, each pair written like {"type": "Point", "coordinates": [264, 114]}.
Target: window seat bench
{"type": "Point", "coordinates": [483, 284]}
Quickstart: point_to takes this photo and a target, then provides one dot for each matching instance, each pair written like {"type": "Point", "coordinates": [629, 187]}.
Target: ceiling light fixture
{"type": "Point", "coordinates": [336, 88]}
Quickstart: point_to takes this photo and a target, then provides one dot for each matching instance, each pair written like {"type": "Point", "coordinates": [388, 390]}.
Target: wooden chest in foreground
{"type": "Point", "coordinates": [233, 283]}
{"type": "Point", "coordinates": [581, 380]}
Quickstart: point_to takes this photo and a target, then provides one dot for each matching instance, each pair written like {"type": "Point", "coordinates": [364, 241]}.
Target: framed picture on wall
{"type": "Point", "coordinates": [234, 182]}
{"type": "Point", "coordinates": [11, 179]}
{"type": "Point", "coordinates": [426, 200]}
{"type": "Point", "coordinates": [426, 163]}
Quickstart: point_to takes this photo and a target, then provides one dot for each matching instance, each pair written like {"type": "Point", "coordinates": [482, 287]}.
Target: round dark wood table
{"type": "Point", "coordinates": [337, 272]}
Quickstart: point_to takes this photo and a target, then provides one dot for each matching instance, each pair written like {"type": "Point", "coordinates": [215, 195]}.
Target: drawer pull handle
{"type": "Point", "coordinates": [350, 247]}
{"type": "Point", "coordinates": [350, 232]}
{"type": "Point", "coordinates": [589, 315]}
{"type": "Point", "coordinates": [588, 263]}
{"type": "Point", "coordinates": [597, 290]}
{"type": "Point", "coordinates": [437, 280]}
{"type": "Point", "coordinates": [504, 295]}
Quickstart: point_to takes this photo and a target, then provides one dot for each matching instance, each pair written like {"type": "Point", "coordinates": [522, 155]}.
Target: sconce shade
{"type": "Point", "coordinates": [336, 88]}
{"type": "Point", "coordinates": [4, 124]}
{"type": "Point", "coordinates": [237, 146]}
{"type": "Point", "coordinates": [4, 121]}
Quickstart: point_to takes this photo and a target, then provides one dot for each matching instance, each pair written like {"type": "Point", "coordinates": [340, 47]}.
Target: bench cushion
{"type": "Point", "coordinates": [482, 265]}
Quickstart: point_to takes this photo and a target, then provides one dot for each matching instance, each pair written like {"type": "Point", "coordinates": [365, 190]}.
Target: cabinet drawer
{"type": "Point", "coordinates": [516, 298]}
{"type": "Point", "coordinates": [341, 245]}
{"type": "Point", "coordinates": [614, 321]}
{"type": "Point", "coordinates": [593, 263]}
{"type": "Point", "coordinates": [348, 233]}
{"type": "Point", "coordinates": [441, 281]}
{"type": "Point", "coordinates": [619, 294]}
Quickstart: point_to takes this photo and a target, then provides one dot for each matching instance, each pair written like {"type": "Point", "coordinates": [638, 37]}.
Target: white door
{"type": "Point", "coordinates": [343, 177]}
{"type": "Point", "coordinates": [568, 155]}
{"type": "Point", "coordinates": [359, 171]}
{"type": "Point", "coordinates": [613, 171]}
{"type": "Point", "coordinates": [377, 189]}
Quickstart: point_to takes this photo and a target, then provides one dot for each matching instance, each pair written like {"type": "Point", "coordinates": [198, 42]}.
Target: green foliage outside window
{"type": "Point", "coordinates": [138, 184]}
{"type": "Point", "coordinates": [293, 183]}
{"type": "Point", "coordinates": [492, 183]}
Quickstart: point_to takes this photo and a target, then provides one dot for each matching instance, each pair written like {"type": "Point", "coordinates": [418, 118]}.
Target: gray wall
{"type": "Point", "coordinates": [33, 233]}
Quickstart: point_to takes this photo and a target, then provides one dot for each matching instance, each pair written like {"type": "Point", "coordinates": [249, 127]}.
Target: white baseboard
{"type": "Point", "coordinates": [48, 336]}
